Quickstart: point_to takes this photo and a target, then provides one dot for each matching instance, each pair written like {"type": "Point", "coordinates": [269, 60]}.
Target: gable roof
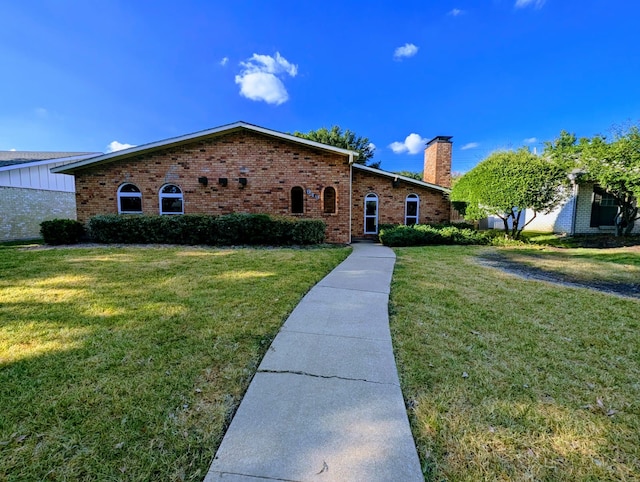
{"type": "Point", "coordinates": [394, 176]}
{"type": "Point", "coordinates": [12, 158]}
{"type": "Point", "coordinates": [187, 138]}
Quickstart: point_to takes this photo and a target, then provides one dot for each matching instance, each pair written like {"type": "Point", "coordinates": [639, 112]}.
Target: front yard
{"type": "Point", "coordinates": [514, 379]}
{"type": "Point", "coordinates": [127, 363]}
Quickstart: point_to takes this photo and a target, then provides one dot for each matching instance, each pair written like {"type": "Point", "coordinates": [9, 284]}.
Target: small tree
{"type": "Point", "coordinates": [508, 182]}
{"type": "Point", "coordinates": [614, 166]}
{"type": "Point", "coordinates": [344, 139]}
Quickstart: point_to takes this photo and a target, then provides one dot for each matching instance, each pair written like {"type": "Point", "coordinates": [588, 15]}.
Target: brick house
{"type": "Point", "coordinates": [30, 193]}
{"type": "Point", "coordinates": [245, 168]}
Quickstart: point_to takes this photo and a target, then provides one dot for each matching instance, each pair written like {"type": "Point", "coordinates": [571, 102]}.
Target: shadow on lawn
{"type": "Point", "coordinates": [525, 271]}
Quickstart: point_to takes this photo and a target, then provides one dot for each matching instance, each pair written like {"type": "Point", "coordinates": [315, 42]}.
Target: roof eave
{"type": "Point", "coordinates": [174, 141]}
{"type": "Point", "coordinates": [55, 160]}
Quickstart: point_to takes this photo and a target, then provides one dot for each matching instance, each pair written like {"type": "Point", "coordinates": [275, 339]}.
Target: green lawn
{"type": "Point", "coordinates": [509, 379]}
{"type": "Point", "coordinates": [126, 363]}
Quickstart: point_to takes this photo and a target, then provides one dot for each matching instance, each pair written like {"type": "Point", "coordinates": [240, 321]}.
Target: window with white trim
{"type": "Point", "coordinates": [171, 200]}
{"type": "Point", "coordinates": [129, 199]}
{"type": "Point", "coordinates": [371, 214]}
{"type": "Point", "coordinates": [411, 209]}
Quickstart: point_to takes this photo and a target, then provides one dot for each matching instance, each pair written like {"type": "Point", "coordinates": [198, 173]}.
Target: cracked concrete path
{"type": "Point", "coordinates": [325, 403]}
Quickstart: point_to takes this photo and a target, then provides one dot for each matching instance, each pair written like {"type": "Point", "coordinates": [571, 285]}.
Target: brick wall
{"type": "Point", "coordinates": [22, 210]}
{"type": "Point", "coordinates": [272, 167]}
{"type": "Point", "coordinates": [434, 206]}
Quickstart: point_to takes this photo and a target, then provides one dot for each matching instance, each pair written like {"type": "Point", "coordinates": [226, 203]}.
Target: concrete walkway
{"type": "Point", "coordinates": [325, 403]}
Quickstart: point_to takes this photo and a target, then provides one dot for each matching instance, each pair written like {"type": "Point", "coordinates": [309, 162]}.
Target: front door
{"type": "Point", "coordinates": [371, 214]}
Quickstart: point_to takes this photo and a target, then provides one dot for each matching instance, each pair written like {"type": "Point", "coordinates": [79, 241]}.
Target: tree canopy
{"type": "Point", "coordinates": [508, 182]}
{"type": "Point", "coordinates": [614, 166]}
{"type": "Point", "coordinates": [410, 174]}
{"type": "Point", "coordinates": [344, 139]}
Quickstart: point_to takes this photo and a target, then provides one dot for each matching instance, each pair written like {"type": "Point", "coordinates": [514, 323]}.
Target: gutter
{"type": "Point", "coordinates": [351, 161]}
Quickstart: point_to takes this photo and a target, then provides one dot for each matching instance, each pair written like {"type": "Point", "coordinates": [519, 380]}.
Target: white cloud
{"type": "Point", "coordinates": [224, 61]}
{"type": "Point", "coordinates": [41, 112]}
{"type": "Point", "coordinates": [261, 78]}
{"type": "Point", "coordinates": [12, 150]}
{"type": "Point", "coordinates": [470, 145]}
{"type": "Point", "coordinates": [455, 12]}
{"type": "Point", "coordinates": [118, 146]}
{"type": "Point", "coordinates": [413, 144]}
{"type": "Point", "coordinates": [531, 140]}
{"type": "Point", "coordinates": [406, 51]}
{"type": "Point", "coordinates": [529, 3]}
{"type": "Point", "coordinates": [372, 146]}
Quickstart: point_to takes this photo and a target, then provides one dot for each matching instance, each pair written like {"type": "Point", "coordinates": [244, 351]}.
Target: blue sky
{"type": "Point", "coordinates": [79, 75]}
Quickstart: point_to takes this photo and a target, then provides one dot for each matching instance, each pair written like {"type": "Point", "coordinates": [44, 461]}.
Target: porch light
{"type": "Point", "coordinates": [242, 181]}
{"type": "Point", "coordinates": [223, 181]}
{"type": "Point", "coordinates": [203, 180]}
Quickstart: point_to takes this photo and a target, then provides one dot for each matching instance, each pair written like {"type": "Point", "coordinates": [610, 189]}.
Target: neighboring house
{"type": "Point", "coordinates": [30, 193]}
{"type": "Point", "coordinates": [245, 168]}
{"type": "Point", "coordinates": [588, 209]}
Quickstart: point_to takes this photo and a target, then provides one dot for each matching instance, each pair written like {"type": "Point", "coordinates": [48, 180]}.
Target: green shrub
{"type": "Point", "coordinates": [226, 230]}
{"type": "Point", "coordinates": [308, 231]}
{"type": "Point", "coordinates": [404, 236]}
{"type": "Point", "coordinates": [425, 234]}
{"type": "Point", "coordinates": [61, 231]}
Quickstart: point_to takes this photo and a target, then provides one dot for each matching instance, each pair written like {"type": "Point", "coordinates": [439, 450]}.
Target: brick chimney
{"type": "Point", "coordinates": [437, 161]}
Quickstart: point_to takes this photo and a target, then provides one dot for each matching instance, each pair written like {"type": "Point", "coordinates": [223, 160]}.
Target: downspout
{"type": "Point", "coordinates": [574, 214]}
{"type": "Point", "coordinates": [351, 161]}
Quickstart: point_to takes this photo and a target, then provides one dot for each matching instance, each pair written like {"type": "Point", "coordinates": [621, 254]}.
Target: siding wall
{"type": "Point", "coordinates": [22, 210]}
{"type": "Point", "coordinates": [38, 177]}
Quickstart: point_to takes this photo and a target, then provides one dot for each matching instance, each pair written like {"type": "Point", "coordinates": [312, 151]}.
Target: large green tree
{"type": "Point", "coordinates": [344, 139]}
{"type": "Point", "coordinates": [613, 165]}
{"type": "Point", "coordinates": [508, 182]}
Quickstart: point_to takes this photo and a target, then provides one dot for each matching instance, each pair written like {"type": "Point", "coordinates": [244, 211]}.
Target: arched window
{"type": "Point", "coordinates": [129, 199]}
{"type": "Point", "coordinates": [297, 200]}
{"type": "Point", "coordinates": [329, 200]}
{"type": "Point", "coordinates": [371, 214]}
{"type": "Point", "coordinates": [171, 200]}
{"type": "Point", "coordinates": [411, 209]}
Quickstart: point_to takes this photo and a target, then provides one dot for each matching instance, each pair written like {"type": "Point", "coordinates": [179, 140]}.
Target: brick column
{"type": "Point", "coordinates": [437, 161]}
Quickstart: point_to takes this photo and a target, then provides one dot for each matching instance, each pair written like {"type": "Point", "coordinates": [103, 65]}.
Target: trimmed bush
{"type": "Point", "coordinates": [308, 231]}
{"type": "Point", "coordinates": [424, 234]}
{"type": "Point", "coordinates": [226, 230]}
{"type": "Point", "coordinates": [61, 231]}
